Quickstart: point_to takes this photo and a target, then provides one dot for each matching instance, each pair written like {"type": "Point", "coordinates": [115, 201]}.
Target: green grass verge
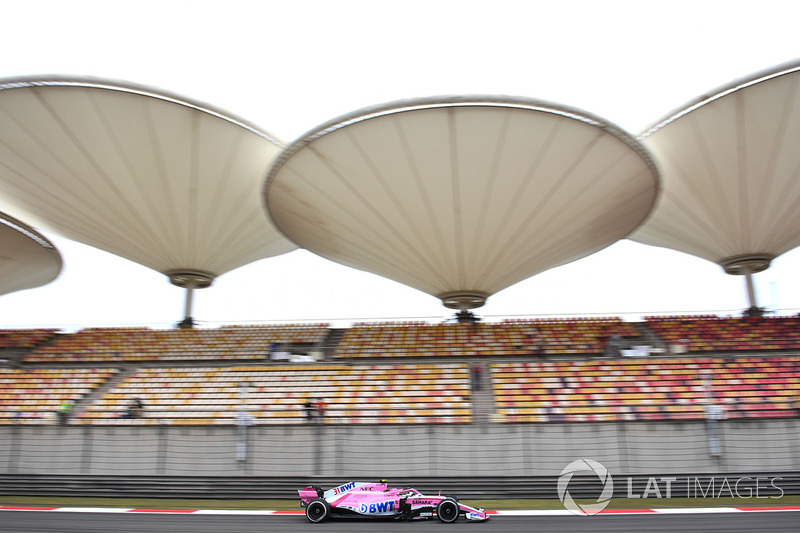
{"type": "Point", "coordinates": [508, 504]}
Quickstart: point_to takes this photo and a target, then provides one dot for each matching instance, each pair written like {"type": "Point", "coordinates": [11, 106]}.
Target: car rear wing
{"type": "Point", "coordinates": [311, 492]}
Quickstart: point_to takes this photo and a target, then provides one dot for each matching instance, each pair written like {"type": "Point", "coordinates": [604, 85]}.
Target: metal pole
{"type": "Point", "coordinates": [161, 459]}
{"type": "Point", "coordinates": [526, 448]}
{"type": "Point", "coordinates": [432, 467]}
{"type": "Point", "coordinates": [340, 450]}
{"type": "Point", "coordinates": [318, 447]}
{"type": "Point", "coordinates": [713, 414]}
{"type": "Point", "coordinates": [86, 459]}
{"type": "Point", "coordinates": [16, 446]}
{"type": "Point", "coordinates": [242, 423]}
{"type": "Point", "coordinates": [622, 446]}
{"type": "Point", "coordinates": [187, 309]}
{"type": "Point", "coordinates": [751, 291]}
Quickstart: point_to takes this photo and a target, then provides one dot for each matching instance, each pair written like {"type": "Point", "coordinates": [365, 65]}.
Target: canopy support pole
{"type": "Point", "coordinates": [754, 309]}
{"type": "Point", "coordinates": [746, 265]}
{"type": "Point", "coordinates": [189, 280]}
{"type": "Point", "coordinates": [751, 291]}
{"type": "Point", "coordinates": [187, 309]}
{"type": "Point", "coordinates": [188, 321]}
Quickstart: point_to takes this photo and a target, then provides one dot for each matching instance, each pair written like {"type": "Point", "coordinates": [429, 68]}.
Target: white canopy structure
{"type": "Point", "coordinates": [27, 258]}
{"type": "Point", "coordinates": [731, 172]}
{"type": "Point", "coordinates": [166, 182]}
{"type": "Point", "coordinates": [461, 197]}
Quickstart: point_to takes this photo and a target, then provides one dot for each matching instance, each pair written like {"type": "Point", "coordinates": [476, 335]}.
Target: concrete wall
{"type": "Point", "coordinates": [410, 450]}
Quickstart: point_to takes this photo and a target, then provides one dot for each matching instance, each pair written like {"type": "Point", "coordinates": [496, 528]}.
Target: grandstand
{"type": "Point", "coordinates": [715, 334]}
{"type": "Point", "coordinates": [35, 395]}
{"type": "Point", "coordinates": [11, 339]}
{"type": "Point", "coordinates": [536, 371]}
{"type": "Point", "coordinates": [509, 338]}
{"type": "Point", "coordinates": [390, 394]}
{"type": "Point", "coordinates": [142, 344]}
{"type": "Point", "coordinates": [662, 389]}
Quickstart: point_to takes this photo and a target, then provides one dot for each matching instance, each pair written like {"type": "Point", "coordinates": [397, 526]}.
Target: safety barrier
{"type": "Point", "coordinates": [753, 486]}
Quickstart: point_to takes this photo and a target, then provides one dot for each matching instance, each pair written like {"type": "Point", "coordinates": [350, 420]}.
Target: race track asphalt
{"type": "Point", "coordinates": [66, 522]}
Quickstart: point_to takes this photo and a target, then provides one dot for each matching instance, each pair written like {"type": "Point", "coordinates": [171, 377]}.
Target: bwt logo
{"type": "Point", "coordinates": [585, 465]}
{"type": "Point", "coordinates": [379, 507]}
{"type": "Point", "coordinates": [344, 488]}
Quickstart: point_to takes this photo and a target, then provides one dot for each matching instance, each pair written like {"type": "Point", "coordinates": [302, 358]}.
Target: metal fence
{"type": "Point", "coordinates": [759, 486]}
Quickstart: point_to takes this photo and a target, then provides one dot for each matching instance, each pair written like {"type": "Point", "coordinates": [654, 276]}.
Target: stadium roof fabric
{"type": "Point", "coordinates": [27, 258]}
{"type": "Point", "coordinates": [730, 166]}
{"type": "Point", "coordinates": [153, 177]}
{"type": "Point", "coordinates": [461, 197]}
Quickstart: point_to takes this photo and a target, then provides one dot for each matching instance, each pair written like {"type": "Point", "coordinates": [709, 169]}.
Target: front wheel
{"type": "Point", "coordinates": [317, 510]}
{"type": "Point", "coordinates": [447, 510]}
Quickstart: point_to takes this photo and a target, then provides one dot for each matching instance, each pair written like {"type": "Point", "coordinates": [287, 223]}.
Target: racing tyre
{"type": "Point", "coordinates": [317, 510]}
{"type": "Point", "coordinates": [447, 510]}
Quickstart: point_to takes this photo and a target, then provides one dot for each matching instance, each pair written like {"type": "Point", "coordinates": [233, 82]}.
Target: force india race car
{"type": "Point", "coordinates": [377, 500]}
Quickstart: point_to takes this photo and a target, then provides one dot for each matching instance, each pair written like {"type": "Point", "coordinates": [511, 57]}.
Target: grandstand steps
{"type": "Point", "coordinates": [25, 352]}
{"type": "Point", "coordinates": [483, 405]}
{"type": "Point", "coordinates": [331, 342]}
{"type": "Point", "coordinates": [97, 393]}
{"type": "Point", "coordinates": [649, 337]}
{"type": "Point", "coordinates": [12, 356]}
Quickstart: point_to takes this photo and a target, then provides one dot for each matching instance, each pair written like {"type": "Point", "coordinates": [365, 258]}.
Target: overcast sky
{"type": "Point", "coordinates": [289, 66]}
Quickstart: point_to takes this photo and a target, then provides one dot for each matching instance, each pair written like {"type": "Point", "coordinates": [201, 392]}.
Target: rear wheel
{"type": "Point", "coordinates": [317, 510]}
{"type": "Point", "coordinates": [447, 510]}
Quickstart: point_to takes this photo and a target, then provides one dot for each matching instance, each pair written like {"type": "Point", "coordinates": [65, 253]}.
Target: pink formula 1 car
{"type": "Point", "coordinates": [377, 500]}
